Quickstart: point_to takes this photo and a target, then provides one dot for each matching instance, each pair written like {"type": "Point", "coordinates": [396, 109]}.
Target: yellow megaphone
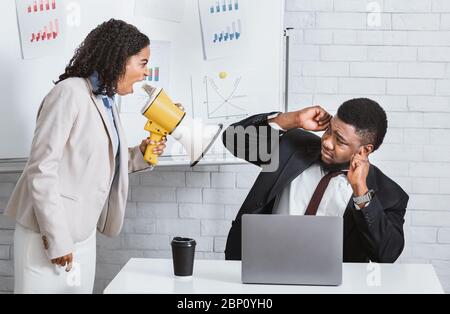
{"type": "Point", "coordinates": [165, 118]}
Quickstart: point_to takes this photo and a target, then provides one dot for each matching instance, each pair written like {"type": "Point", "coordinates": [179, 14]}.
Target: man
{"type": "Point", "coordinates": [331, 176]}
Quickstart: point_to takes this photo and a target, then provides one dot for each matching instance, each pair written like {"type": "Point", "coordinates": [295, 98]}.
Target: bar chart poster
{"type": "Point", "coordinates": [223, 27]}
{"type": "Point", "coordinates": [41, 27]}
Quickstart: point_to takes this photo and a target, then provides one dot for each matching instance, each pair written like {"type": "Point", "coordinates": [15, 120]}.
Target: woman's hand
{"type": "Point", "coordinates": [63, 261]}
{"type": "Point", "coordinates": [158, 150]}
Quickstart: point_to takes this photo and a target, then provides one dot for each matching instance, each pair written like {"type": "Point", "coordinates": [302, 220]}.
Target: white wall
{"type": "Point", "coordinates": [403, 63]}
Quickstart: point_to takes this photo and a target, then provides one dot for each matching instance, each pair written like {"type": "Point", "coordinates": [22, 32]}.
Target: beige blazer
{"type": "Point", "coordinates": [69, 185]}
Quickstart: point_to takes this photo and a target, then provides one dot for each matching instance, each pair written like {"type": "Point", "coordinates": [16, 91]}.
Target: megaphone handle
{"type": "Point", "coordinates": [149, 156]}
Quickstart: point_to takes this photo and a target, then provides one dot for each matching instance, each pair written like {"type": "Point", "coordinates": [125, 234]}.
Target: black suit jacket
{"type": "Point", "coordinates": [373, 233]}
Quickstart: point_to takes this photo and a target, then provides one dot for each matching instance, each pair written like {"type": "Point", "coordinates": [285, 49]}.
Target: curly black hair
{"type": "Point", "coordinates": [106, 50]}
{"type": "Point", "coordinates": [367, 117]}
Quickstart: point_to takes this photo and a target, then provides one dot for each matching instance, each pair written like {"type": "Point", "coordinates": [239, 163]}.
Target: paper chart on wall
{"type": "Point", "coordinates": [41, 25]}
{"type": "Point", "coordinates": [225, 96]}
{"type": "Point", "coordinates": [224, 27]}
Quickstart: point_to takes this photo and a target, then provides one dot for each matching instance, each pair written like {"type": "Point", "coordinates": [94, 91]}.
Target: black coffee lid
{"type": "Point", "coordinates": [183, 242]}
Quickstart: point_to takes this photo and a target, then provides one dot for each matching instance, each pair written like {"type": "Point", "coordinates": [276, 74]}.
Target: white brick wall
{"type": "Point", "coordinates": [407, 6]}
{"type": "Point", "coordinates": [403, 63]}
{"type": "Point", "coordinates": [444, 235]}
{"type": "Point", "coordinates": [4, 252]}
{"type": "Point", "coordinates": [413, 21]}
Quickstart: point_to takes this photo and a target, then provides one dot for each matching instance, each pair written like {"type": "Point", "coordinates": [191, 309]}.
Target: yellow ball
{"type": "Point", "coordinates": [223, 75]}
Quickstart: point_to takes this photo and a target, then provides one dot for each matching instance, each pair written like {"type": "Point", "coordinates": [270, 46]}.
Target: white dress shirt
{"type": "Point", "coordinates": [296, 196]}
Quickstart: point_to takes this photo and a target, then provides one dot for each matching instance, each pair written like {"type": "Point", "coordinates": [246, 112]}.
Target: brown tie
{"type": "Point", "coordinates": [311, 210]}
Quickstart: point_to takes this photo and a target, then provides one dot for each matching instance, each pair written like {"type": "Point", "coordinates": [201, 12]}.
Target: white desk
{"type": "Point", "coordinates": [155, 276]}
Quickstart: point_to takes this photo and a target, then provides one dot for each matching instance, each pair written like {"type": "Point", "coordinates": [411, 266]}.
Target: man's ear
{"type": "Point", "coordinates": [366, 150]}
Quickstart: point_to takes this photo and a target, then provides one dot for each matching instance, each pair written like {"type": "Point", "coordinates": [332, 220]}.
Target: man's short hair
{"type": "Point", "coordinates": [367, 117]}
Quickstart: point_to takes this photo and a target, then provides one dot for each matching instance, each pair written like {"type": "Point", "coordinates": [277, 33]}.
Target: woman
{"type": "Point", "coordinates": [76, 179]}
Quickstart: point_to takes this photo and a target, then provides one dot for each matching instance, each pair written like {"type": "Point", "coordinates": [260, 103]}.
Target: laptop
{"type": "Point", "coordinates": [294, 250]}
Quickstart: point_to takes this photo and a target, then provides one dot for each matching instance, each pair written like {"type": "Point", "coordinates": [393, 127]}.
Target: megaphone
{"type": "Point", "coordinates": [165, 118]}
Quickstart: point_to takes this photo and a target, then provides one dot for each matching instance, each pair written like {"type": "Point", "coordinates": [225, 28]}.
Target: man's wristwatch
{"type": "Point", "coordinates": [366, 198]}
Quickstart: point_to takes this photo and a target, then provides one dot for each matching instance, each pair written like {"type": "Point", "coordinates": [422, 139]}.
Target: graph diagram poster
{"type": "Point", "coordinates": [168, 10]}
{"type": "Point", "coordinates": [223, 27]}
{"type": "Point", "coordinates": [159, 76]}
{"type": "Point", "coordinates": [41, 27]}
{"type": "Point", "coordinates": [225, 97]}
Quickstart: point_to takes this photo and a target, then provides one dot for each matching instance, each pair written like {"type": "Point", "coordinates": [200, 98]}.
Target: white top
{"type": "Point", "coordinates": [155, 276]}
